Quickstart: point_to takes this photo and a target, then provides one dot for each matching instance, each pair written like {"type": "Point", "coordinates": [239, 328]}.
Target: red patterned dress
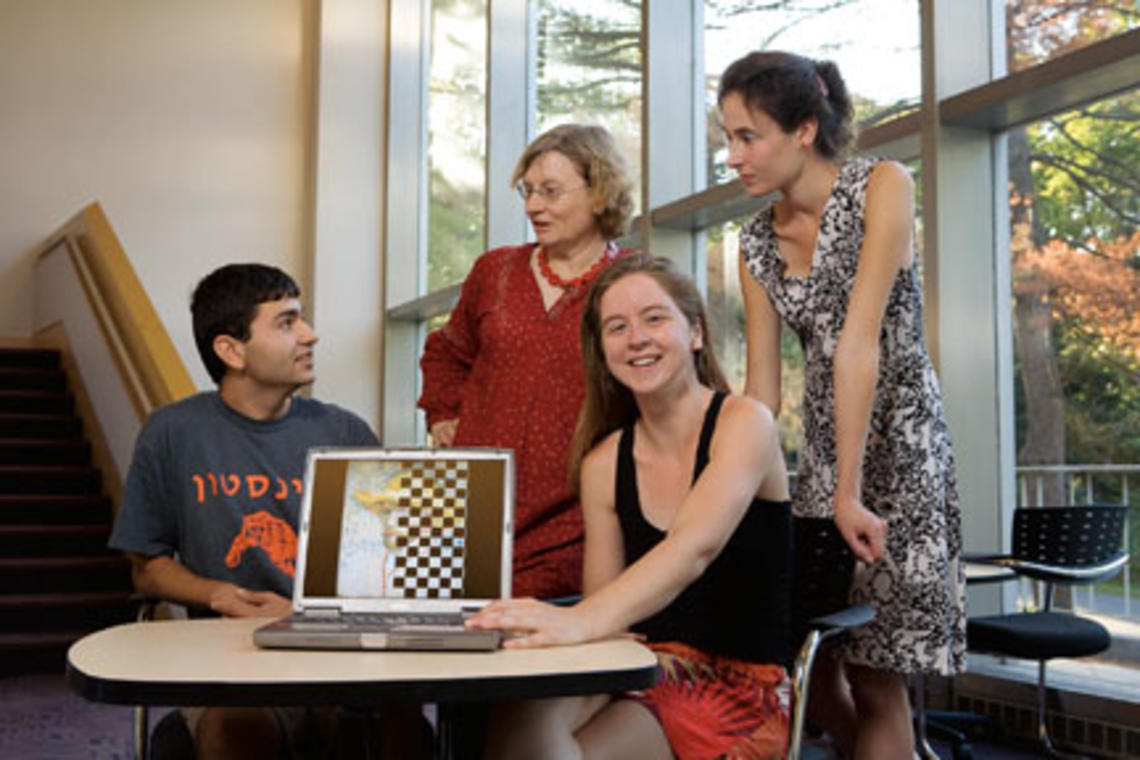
{"type": "Point", "coordinates": [511, 372]}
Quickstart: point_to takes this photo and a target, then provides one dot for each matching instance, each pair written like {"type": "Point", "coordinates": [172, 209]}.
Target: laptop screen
{"type": "Point", "coordinates": [405, 525]}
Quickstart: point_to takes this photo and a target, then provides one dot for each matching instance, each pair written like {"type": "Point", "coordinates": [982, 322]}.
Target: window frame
{"type": "Point", "coordinates": [967, 104]}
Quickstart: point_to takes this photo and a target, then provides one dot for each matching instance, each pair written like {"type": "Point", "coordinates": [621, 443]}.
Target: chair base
{"type": "Point", "coordinates": [1050, 750]}
{"type": "Point", "coordinates": [958, 730]}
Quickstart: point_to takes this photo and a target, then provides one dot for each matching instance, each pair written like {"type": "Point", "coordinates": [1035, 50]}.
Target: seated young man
{"type": "Point", "coordinates": [210, 509]}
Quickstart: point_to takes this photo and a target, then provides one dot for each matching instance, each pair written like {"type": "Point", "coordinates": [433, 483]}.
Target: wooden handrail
{"type": "Point", "coordinates": [153, 365]}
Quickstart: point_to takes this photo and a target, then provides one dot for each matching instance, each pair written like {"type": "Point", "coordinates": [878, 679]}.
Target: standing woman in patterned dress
{"type": "Point", "coordinates": [834, 259]}
{"type": "Point", "coordinates": [505, 370]}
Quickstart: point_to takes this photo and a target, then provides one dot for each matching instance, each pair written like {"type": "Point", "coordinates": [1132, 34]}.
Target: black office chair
{"type": "Point", "coordinates": [1081, 544]}
{"type": "Point", "coordinates": [821, 610]}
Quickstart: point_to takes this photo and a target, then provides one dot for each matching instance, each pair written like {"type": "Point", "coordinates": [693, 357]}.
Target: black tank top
{"type": "Point", "coordinates": [740, 606]}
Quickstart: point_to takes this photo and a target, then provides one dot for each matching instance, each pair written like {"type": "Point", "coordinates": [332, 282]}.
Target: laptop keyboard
{"type": "Point", "coordinates": [382, 622]}
{"type": "Point", "coordinates": [398, 619]}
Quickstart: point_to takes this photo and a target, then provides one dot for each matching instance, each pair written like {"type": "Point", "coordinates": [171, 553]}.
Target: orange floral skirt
{"type": "Point", "coordinates": [712, 706]}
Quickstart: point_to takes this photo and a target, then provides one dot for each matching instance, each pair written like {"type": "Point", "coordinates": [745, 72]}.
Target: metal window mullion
{"type": "Point", "coordinates": [510, 114]}
{"type": "Point", "coordinates": [406, 210]}
{"type": "Point", "coordinates": [672, 165]}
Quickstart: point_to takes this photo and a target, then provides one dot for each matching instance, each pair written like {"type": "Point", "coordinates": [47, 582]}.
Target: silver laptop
{"type": "Point", "coordinates": [397, 547]}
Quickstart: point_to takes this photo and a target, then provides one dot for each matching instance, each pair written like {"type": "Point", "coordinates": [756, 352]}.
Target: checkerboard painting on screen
{"type": "Point", "coordinates": [431, 531]}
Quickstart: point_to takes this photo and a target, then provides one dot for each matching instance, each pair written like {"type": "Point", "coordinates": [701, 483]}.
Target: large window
{"type": "Point", "coordinates": [456, 139]}
{"type": "Point", "coordinates": [1033, 323]}
{"type": "Point", "coordinates": [1038, 30]}
{"type": "Point", "coordinates": [874, 42]}
{"type": "Point", "coordinates": [588, 69]}
{"type": "Point", "coordinates": [1075, 248]}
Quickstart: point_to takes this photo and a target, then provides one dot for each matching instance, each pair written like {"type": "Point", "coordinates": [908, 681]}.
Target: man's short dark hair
{"type": "Point", "coordinates": [225, 303]}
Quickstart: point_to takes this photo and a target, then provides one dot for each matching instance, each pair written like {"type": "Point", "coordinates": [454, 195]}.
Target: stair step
{"type": "Point", "coordinates": [44, 451]}
{"type": "Point", "coordinates": [37, 575]}
{"type": "Point", "coordinates": [29, 357]}
{"type": "Point", "coordinates": [53, 540]}
{"type": "Point", "coordinates": [36, 402]}
{"type": "Point", "coordinates": [73, 610]}
{"type": "Point", "coordinates": [39, 425]}
{"type": "Point", "coordinates": [58, 581]}
{"type": "Point", "coordinates": [24, 642]}
{"type": "Point", "coordinates": [34, 378]}
{"type": "Point", "coordinates": [36, 651]}
{"type": "Point", "coordinates": [16, 479]}
{"type": "Point", "coordinates": [48, 508]}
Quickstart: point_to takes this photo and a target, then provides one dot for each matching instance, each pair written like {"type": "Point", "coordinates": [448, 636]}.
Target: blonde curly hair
{"type": "Point", "coordinates": [595, 155]}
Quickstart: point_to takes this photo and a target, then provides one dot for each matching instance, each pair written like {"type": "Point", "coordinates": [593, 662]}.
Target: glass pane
{"type": "Point", "coordinates": [726, 313]}
{"type": "Point", "coordinates": [456, 139]}
{"type": "Point", "coordinates": [1037, 30]}
{"type": "Point", "coordinates": [589, 70]}
{"type": "Point", "coordinates": [874, 42]}
{"type": "Point", "coordinates": [1075, 247]}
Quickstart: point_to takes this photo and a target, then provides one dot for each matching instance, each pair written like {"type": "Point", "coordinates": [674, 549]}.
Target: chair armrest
{"type": "Point", "coordinates": [986, 558]}
{"type": "Point", "coordinates": [844, 620]}
{"type": "Point", "coordinates": [1060, 573]}
{"type": "Point", "coordinates": [144, 606]}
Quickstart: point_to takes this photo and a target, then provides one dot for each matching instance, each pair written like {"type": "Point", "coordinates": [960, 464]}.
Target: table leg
{"type": "Point", "coordinates": [445, 730]}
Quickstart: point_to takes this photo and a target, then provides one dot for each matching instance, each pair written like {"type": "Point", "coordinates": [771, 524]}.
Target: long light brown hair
{"type": "Point", "coordinates": [609, 405]}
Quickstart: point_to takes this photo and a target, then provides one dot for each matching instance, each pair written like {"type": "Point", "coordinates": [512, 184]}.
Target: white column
{"type": "Point", "coordinates": [347, 272]}
{"type": "Point", "coordinates": [510, 114]}
{"type": "Point", "coordinates": [406, 234]}
{"type": "Point", "coordinates": [673, 123]}
{"type": "Point", "coordinates": [967, 255]}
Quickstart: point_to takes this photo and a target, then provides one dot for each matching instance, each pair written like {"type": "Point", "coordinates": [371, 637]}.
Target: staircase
{"type": "Point", "coordinates": [58, 581]}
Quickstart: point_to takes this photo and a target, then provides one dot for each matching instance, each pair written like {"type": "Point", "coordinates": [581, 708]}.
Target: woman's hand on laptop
{"type": "Point", "coordinates": [234, 601]}
{"type": "Point", "coordinates": [531, 623]}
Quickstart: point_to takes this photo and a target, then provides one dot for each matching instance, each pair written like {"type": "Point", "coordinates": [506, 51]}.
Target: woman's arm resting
{"type": "Point", "coordinates": [740, 458]}
{"type": "Point", "coordinates": [887, 248]}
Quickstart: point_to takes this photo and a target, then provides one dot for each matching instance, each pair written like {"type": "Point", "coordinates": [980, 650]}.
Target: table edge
{"type": "Point", "coordinates": [364, 692]}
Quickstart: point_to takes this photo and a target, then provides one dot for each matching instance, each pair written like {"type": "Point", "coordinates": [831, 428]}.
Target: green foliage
{"type": "Point", "coordinates": [1038, 30]}
{"type": "Point", "coordinates": [1087, 196]}
{"type": "Point", "coordinates": [1102, 398]}
{"type": "Point", "coordinates": [1086, 171]}
{"type": "Point", "coordinates": [455, 231]}
{"type": "Point", "coordinates": [589, 63]}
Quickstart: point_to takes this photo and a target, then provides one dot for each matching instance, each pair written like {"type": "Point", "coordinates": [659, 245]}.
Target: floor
{"type": "Point", "coordinates": [41, 718]}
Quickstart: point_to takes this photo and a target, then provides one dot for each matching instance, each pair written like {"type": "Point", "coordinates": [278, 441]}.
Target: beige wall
{"type": "Point", "coordinates": [347, 276]}
{"type": "Point", "coordinates": [191, 122]}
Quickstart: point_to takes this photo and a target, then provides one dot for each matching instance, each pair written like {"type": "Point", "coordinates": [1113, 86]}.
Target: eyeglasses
{"type": "Point", "coordinates": [547, 194]}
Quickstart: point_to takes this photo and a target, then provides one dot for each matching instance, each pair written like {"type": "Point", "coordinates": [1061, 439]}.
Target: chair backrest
{"type": "Point", "coordinates": [824, 567]}
{"type": "Point", "coordinates": [1078, 536]}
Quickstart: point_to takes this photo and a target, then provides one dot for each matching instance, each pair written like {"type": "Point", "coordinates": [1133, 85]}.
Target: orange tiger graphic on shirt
{"type": "Point", "coordinates": [272, 534]}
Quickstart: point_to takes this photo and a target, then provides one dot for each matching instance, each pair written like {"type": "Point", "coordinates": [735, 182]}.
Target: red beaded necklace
{"type": "Point", "coordinates": [582, 279]}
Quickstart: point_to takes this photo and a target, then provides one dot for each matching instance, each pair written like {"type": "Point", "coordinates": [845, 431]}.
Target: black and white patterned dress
{"type": "Point", "coordinates": [909, 479]}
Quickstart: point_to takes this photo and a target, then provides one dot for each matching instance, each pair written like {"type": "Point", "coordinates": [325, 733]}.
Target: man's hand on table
{"type": "Point", "coordinates": [233, 601]}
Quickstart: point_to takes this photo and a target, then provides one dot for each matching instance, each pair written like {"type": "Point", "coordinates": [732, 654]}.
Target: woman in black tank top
{"type": "Point", "coordinates": [685, 500]}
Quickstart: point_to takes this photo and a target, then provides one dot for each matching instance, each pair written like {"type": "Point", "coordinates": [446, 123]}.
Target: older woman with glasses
{"type": "Point", "coordinates": [505, 370]}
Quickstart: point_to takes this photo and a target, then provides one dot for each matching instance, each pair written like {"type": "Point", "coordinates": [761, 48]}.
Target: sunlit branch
{"type": "Point", "coordinates": [1089, 187]}
{"type": "Point", "coordinates": [1101, 157]}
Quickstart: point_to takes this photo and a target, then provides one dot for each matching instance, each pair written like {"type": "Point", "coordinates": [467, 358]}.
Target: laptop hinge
{"type": "Point", "coordinates": [322, 612]}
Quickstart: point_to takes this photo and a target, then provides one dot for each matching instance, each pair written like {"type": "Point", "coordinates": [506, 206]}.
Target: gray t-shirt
{"type": "Point", "coordinates": [223, 491]}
